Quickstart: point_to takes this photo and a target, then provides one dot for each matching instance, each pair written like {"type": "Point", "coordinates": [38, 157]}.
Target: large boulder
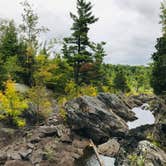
{"type": "Point", "coordinates": [118, 104]}
{"type": "Point", "coordinates": [110, 148]}
{"type": "Point", "coordinates": [93, 117]}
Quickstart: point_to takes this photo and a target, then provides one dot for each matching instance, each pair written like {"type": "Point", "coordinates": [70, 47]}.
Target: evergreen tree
{"type": "Point", "coordinates": [92, 72]}
{"type": "Point", "coordinates": [120, 82]}
{"type": "Point", "coordinates": [9, 50]}
{"type": "Point", "coordinates": [76, 48]}
{"type": "Point", "coordinates": [158, 80]}
{"type": "Point", "coordinates": [8, 40]}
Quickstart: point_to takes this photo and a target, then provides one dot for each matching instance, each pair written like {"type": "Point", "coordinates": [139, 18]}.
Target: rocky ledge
{"type": "Point", "coordinates": [102, 119]}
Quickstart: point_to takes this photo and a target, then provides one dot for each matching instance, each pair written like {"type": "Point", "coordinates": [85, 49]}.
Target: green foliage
{"type": "Point", "coordinates": [30, 27]}
{"type": "Point", "coordinates": [158, 80]}
{"type": "Point", "coordinates": [9, 50]}
{"type": "Point", "coordinates": [41, 104]}
{"type": "Point", "coordinates": [137, 78]}
{"type": "Point", "coordinates": [150, 136]}
{"type": "Point", "coordinates": [54, 73]}
{"type": "Point", "coordinates": [120, 82]}
{"type": "Point", "coordinates": [136, 160]}
{"type": "Point", "coordinates": [30, 33]}
{"type": "Point", "coordinates": [49, 153]}
{"type": "Point", "coordinates": [77, 49]}
{"type": "Point", "coordinates": [12, 105]}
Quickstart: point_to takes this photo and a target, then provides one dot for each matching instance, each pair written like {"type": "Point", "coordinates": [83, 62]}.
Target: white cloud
{"type": "Point", "coordinates": [129, 27]}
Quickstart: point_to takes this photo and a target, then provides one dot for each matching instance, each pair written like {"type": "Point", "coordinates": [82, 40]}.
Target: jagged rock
{"type": "Point", "coordinates": [118, 105]}
{"type": "Point", "coordinates": [92, 118]}
{"type": "Point", "coordinates": [64, 133]}
{"type": "Point", "coordinates": [138, 100]}
{"type": "Point", "coordinates": [153, 155]}
{"type": "Point", "coordinates": [24, 153]}
{"type": "Point", "coordinates": [110, 148]}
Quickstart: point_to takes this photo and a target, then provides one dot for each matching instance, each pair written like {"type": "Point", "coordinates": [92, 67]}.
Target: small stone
{"type": "Point", "coordinates": [25, 153]}
{"type": "Point", "coordinates": [30, 145]}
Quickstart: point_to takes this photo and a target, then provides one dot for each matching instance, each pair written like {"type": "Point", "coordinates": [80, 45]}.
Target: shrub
{"type": "Point", "coordinates": [12, 105]}
{"type": "Point", "coordinates": [40, 103]}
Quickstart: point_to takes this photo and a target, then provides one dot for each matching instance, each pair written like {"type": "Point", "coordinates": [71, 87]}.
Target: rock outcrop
{"type": "Point", "coordinates": [98, 118]}
{"type": "Point", "coordinates": [102, 119]}
{"type": "Point", "coordinates": [146, 154]}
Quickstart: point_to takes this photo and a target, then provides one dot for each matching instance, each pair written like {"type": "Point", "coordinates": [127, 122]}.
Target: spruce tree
{"type": "Point", "coordinates": [77, 48]}
{"type": "Point", "coordinates": [9, 50]}
{"type": "Point", "coordinates": [158, 80]}
{"type": "Point", "coordinates": [120, 82]}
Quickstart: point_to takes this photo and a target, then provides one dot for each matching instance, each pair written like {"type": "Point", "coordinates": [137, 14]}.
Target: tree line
{"type": "Point", "coordinates": [78, 69]}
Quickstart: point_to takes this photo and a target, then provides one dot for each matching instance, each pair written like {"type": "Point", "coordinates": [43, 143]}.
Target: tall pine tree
{"type": "Point", "coordinates": [77, 48]}
{"type": "Point", "coordinates": [158, 80]}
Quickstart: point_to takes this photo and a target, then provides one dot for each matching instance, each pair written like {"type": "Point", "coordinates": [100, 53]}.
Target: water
{"type": "Point", "coordinates": [92, 161]}
{"type": "Point", "coordinates": [108, 161]}
{"type": "Point", "coordinates": [144, 117]}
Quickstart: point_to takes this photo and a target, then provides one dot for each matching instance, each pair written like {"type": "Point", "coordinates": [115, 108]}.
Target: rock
{"type": "Point", "coordinates": [110, 148]}
{"type": "Point", "coordinates": [24, 153]}
{"type": "Point", "coordinates": [22, 88]}
{"type": "Point", "coordinates": [47, 131]}
{"type": "Point", "coordinates": [145, 106]}
{"type": "Point", "coordinates": [14, 156]}
{"type": "Point", "coordinates": [91, 118]}
{"type": "Point", "coordinates": [31, 146]}
{"type": "Point", "coordinates": [118, 105]}
{"type": "Point", "coordinates": [6, 135]}
{"type": "Point", "coordinates": [17, 163]}
{"type": "Point", "coordinates": [36, 157]}
{"type": "Point", "coordinates": [34, 139]}
{"type": "Point", "coordinates": [64, 133]}
{"type": "Point", "coordinates": [139, 100]}
{"type": "Point", "coordinates": [3, 158]}
{"type": "Point", "coordinates": [153, 155]}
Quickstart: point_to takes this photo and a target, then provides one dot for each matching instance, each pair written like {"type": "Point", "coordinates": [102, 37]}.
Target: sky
{"type": "Point", "coordinates": [129, 27]}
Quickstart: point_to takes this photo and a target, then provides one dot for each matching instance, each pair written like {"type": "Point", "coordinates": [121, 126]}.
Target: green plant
{"type": "Point", "coordinates": [12, 105]}
{"type": "Point", "coordinates": [135, 160]}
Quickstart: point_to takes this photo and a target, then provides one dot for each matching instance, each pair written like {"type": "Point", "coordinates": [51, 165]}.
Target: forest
{"type": "Point", "coordinates": [77, 69]}
{"type": "Point", "coordinates": [61, 102]}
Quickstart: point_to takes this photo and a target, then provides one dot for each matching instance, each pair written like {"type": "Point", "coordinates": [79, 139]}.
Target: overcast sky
{"type": "Point", "coordinates": [130, 27]}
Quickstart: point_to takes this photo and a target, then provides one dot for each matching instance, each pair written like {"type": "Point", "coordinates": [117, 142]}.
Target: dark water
{"type": "Point", "coordinates": [144, 117]}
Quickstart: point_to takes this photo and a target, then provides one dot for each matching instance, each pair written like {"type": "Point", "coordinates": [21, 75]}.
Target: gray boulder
{"type": "Point", "coordinates": [118, 104]}
{"type": "Point", "coordinates": [93, 118]}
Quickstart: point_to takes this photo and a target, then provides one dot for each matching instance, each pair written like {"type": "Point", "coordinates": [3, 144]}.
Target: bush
{"type": "Point", "coordinates": [12, 105]}
{"type": "Point", "coordinates": [40, 104]}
